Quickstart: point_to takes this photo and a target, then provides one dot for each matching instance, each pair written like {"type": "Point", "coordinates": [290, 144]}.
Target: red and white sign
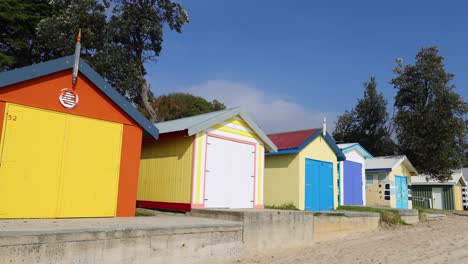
{"type": "Point", "coordinates": [68, 98]}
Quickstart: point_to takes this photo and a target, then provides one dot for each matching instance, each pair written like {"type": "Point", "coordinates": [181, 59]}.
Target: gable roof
{"type": "Point", "coordinates": [45, 68]}
{"type": "Point", "coordinates": [388, 163]}
{"type": "Point", "coordinates": [465, 174]}
{"type": "Point", "coordinates": [457, 176]}
{"type": "Point", "coordinates": [347, 147]}
{"type": "Point", "coordinates": [295, 141]}
{"type": "Point", "coordinates": [194, 124]}
{"type": "Point", "coordinates": [290, 140]}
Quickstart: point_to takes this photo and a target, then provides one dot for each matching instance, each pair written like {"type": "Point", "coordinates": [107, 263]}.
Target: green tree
{"type": "Point", "coordinates": [430, 125]}
{"type": "Point", "coordinates": [178, 105]}
{"type": "Point", "coordinates": [137, 27]}
{"type": "Point", "coordinates": [367, 124]}
{"type": "Point", "coordinates": [19, 45]}
{"type": "Point", "coordinates": [119, 37]}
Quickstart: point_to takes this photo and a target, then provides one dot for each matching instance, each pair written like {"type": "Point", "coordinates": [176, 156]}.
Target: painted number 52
{"type": "Point", "coordinates": [12, 117]}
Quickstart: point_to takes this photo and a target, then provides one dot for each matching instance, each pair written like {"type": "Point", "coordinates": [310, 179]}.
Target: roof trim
{"type": "Point", "coordinates": [283, 151]}
{"type": "Point", "coordinates": [366, 153]}
{"type": "Point", "coordinates": [45, 68]}
{"type": "Point", "coordinates": [379, 170]}
{"type": "Point", "coordinates": [339, 154]}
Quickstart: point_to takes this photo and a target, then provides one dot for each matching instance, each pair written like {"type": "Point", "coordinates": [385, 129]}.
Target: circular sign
{"type": "Point", "coordinates": [68, 98]}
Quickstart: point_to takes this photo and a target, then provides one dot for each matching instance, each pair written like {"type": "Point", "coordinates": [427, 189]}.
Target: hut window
{"type": "Point", "coordinates": [369, 179]}
{"type": "Point", "coordinates": [382, 177]}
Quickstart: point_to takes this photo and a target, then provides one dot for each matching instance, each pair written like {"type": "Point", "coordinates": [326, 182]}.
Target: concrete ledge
{"type": "Point", "coordinates": [266, 229]}
{"type": "Point", "coordinates": [410, 216]}
{"type": "Point", "coordinates": [330, 225]}
{"type": "Point", "coordinates": [119, 240]}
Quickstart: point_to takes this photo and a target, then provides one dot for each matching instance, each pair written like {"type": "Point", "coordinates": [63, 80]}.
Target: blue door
{"type": "Point", "coordinates": [401, 189]}
{"type": "Point", "coordinates": [352, 183]}
{"type": "Point", "coordinates": [318, 185]}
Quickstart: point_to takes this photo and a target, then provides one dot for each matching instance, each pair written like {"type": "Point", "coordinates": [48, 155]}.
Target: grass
{"type": "Point", "coordinates": [329, 214]}
{"type": "Point", "coordinates": [388, 216]}
{"type": "Point", "coordinates": [285, 206]}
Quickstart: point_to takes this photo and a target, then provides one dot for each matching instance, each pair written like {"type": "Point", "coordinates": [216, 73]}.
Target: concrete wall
{"type": "Point", "coordinates": [268, 229]}
{"type": "Point", "coordinates": [181, 245]}
{"type": "Point", "coordinates": [329, 227]}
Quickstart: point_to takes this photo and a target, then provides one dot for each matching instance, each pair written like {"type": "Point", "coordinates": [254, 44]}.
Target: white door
{"type": "Point", "coordinates": [437, 197]}
{"type": "Point", "coordinates": [230, 171]}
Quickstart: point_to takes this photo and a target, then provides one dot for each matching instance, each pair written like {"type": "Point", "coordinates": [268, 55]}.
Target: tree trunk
{"type": "Point", "coordinates": [145, 100]}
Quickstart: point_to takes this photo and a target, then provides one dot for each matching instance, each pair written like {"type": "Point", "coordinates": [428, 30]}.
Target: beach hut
{"type": "Point", "coordinates": [431, 193]}
{"type": "Point", "coordinates": [212, 160]}
{"type": "Point", "coordinates": [387, 181]}
{"type": "Point", "coordinates": [67, 149]}
{"type": "Point", "coordinates": [303, 171]}
{"type": "Point", "coordinates": [352, 174]}
{"type": "Point", "coordinates": [465, 189]}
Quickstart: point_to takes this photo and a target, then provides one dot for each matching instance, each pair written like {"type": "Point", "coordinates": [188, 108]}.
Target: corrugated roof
{"type": "Point", "coordinates": [195, 124]}
{"type": "Point", "coordinates": [388, 162]}
{"type": "Point", "coordinates": [41, 69]}
{"type": "Point", "coordinates": [290, 140]}
{"type": "Point", "coordinates": [426, 180]}
{"type": "Point", "coordinates": [295, 141]}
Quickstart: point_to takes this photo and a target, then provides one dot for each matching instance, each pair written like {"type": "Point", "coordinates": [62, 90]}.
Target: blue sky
{"type": "Point", "coordinates": [291, 63]}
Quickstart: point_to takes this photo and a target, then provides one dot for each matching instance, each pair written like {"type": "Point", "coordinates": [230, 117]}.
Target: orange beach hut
{"type": "Point", "coordinates": [67, 150]}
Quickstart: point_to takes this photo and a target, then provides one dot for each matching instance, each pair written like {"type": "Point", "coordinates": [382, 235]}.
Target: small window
{"type": "Point", "coordinates": [382, 177]}
{"type": "Point", "coordinates": [369, 179]}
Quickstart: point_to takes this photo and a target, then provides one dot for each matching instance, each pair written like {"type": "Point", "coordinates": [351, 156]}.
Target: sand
{"type": "Point", "coordinates": [437, 241]}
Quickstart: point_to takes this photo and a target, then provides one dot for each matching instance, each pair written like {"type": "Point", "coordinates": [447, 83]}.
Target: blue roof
{"type": "Point", "coordinates": [339, 154]}
{"type": "Point", "coordinates": [49, 67]}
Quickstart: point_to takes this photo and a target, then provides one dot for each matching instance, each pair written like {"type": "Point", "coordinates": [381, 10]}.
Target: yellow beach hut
{"type": "Point", "coordinates": [303, 171]}
{"type": "Point", "coordinates": [213, 160]}
{"type": "Point", "coordinates": [387, 181]}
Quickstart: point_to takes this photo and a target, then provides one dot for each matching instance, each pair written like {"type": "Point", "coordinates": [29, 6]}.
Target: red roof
{"type": "Point", "coordinates": [291, 140]}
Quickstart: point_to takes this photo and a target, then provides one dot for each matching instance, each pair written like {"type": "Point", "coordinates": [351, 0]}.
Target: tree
{"type": "Point", "coordinates": [18, 41]}
{"type": "Point", "coordinates": [137, 27]}
{"type": "Point", "coordinates": [367, 124]}
{"type": "Point", "coordinates": [430, 125]}
{"type": "Point", "coordinates": [178, 105]}
{"type": "Point", "coordinates": [119, 37]}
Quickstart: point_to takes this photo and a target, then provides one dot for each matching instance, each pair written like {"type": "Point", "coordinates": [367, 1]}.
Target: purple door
{"type": "Point", "coordinates": [352, 174]}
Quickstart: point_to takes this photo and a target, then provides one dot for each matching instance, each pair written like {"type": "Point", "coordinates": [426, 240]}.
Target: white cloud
{"type": "Point", "coordinates": [271, 113]}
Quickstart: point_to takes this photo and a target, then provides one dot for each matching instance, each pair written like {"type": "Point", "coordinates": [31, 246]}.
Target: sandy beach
{"type": "Point", "coordinates": [438, 241]}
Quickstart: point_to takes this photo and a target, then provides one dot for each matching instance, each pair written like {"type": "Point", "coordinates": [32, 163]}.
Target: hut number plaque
{"type": "Point", "coordinates": [68, 98]}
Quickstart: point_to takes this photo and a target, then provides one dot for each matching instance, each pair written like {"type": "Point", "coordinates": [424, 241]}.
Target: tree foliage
{"type": "Point", "coordinates": [367, 124]}
{"type": "Point", "coordinates": [430, 125]}
{"type": "Point", "coordinates": [178, 105]}
{"type": "Point", "coordinates": [19, 45]}
{"type": "Point", "coordinates": [118, 37]}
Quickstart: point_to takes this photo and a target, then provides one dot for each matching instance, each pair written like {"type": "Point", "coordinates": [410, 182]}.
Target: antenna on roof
{"type": "Point", "coordinates": [324, 128]}
{"type": "Point", "coordinates": [77, 57]}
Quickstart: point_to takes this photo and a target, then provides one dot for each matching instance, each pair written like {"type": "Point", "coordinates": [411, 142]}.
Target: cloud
{"type": "Point", "coordinates": [273, 113]}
